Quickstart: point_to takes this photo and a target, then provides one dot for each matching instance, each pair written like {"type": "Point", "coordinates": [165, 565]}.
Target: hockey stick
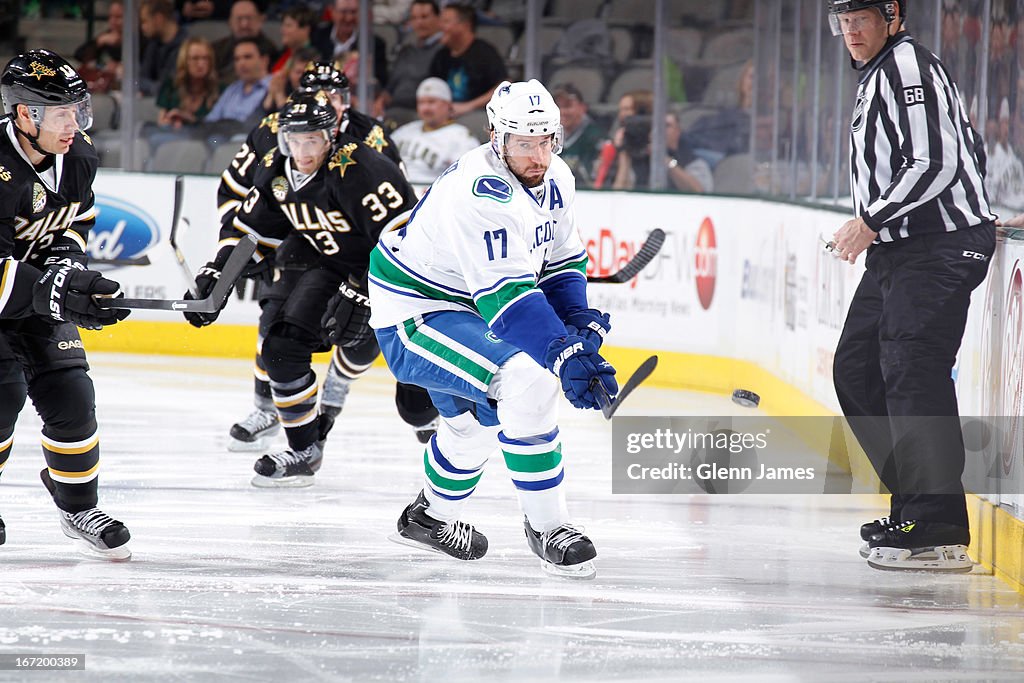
{"type": "Point", "coordinates": [643, 256]}
{"type": "Point", "coordinates": [608, 404]}
{"type": "Point", "coordinates": [176, 220]}
{"type": "Point", "coordinates": [236, 263]}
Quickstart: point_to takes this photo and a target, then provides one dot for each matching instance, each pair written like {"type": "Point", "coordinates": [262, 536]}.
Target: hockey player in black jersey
{"type": "Point", "coordinates": [47, 167]}
{"type": "Point", "coordinates": [295, 255]}
{"type": "Point", "coordinates": [337, 195]}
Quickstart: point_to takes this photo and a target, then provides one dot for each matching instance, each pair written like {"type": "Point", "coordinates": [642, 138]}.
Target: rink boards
{"type": "Point", "coordinates": [741, 296]}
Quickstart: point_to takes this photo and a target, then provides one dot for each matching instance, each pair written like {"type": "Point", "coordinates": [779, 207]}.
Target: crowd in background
{"type": "Point", "coordinates": [209, 70]}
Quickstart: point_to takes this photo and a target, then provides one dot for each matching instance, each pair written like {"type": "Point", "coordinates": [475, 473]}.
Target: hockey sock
{"type": "Point", "coordinates": [535, 463]}
{"type": "Point", "coordinates": [6, 444]}
{"type": "Point", "coordinates": [73, 461]}
{"type": "Point", "coordinates": [262, 396]}
{"type": "Point", "coordinates": [453, 463]}
{"type": "Point", "coordinates": [296, 406]}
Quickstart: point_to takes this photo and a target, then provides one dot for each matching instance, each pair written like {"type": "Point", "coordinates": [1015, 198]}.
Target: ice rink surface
{"type": "Point", "coordinates": [233, 583]}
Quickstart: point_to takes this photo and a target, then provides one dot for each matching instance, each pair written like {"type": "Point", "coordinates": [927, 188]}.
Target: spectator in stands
{"type": "Point", "coordinates": [634, 103]}
{"type": "Point", "coordinates": [471, 66]}
{"type": "Point", "coordinates": [1005, 179]}
{"type": "Point", "coordinates": [296, 26]}
{"type": "Point", "coordinates": [582, 138]}
{"type": "Point", "coordinates": [337, 42]}
{"type": "Point", "coordinates": [685, 170]}
{"type": "Point", "coordinates": [284, 82]}
{"type": "Point", "coordinates": [391, 11]}
{"type": "Point", "coordinates": [101, 57]}
{"type": "Point", "coordinates": [727, 131]}
{"type": "Point", "coordinates": [435, 141]}
{"type": "Point", "coordinates": [188, 97]}
{"type": "Point", "coordinates": [242, 100]}
{"type": "Point", "coordinates": [197, 10]}
{"type": "Point", "coordinates": [245, 21]}
{"type": "Point", "coordinates": [163, 40]}
{"type": "Point", "coordinates": [412, 63]}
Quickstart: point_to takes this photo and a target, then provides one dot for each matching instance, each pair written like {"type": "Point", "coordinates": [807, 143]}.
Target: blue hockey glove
{"type": "Point", "coordinates": [577, 364]}
{"type": "Point", "coordinates": [591, 324]}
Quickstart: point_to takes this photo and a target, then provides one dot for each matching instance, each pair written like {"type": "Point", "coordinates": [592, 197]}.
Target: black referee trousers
{"type": "Point", "coordinates": [893, 367]}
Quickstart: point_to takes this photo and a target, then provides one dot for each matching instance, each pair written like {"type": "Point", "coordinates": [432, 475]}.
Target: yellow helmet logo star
{"type": "Point", "coordinates": [41, 70]}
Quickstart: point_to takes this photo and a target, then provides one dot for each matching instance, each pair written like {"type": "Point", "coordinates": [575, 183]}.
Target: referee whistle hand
{"type": "Point", "coordinates": [853, 238]}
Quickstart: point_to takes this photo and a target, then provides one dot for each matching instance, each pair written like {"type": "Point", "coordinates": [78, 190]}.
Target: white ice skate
{"type": "Point", "coordinates": [255, 432]}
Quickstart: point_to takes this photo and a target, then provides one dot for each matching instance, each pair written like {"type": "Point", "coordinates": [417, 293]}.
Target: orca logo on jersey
{"type": "Point", "coordinates": [123, 232]}
{"type": "Point", "coordinates": [493, 187]}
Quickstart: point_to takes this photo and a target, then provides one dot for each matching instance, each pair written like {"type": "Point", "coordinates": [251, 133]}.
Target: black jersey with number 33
{"type": "Point", "coordinates": [237, 178]}
{"type": "Point", "coordinates": [45, 216]}
{"type": "Point", "coordinates": [341, 209]}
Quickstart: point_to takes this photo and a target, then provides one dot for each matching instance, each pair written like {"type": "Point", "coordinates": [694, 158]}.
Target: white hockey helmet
{"type": "Point", "coordinates": [523, 108]}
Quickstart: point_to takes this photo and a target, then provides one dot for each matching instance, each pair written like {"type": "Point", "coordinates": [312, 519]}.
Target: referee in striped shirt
{"type": "Point", "coordinates": [917, 172]}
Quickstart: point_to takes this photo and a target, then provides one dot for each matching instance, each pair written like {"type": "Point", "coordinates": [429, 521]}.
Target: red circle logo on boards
{"type": "Point", "coordinates": [706, 256]}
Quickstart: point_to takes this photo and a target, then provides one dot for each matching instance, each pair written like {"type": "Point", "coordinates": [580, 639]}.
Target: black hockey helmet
{"type": "Point", "coordinates": [325, 76]}
{"type": "Point", "coordinates": [305, 112]}
{"type": "Point", "coordinates": [40, 79]}
{"type": "Point", "coordinates": [887, 8]}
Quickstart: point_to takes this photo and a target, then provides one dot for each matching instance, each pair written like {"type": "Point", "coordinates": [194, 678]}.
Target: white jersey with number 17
{"type": "Point", "coordinates": [477, 241]}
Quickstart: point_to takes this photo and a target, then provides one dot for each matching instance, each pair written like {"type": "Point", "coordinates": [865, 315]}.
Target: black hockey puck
{"type": "Point", "coordinates": [747, 399]}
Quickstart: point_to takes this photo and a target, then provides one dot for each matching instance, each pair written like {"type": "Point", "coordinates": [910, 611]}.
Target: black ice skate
{"type": "Point", "coordinates": [289, 468]}
{"type": "Point", "coordinates": [927, 546]}
{"type": "Point", "coordinates": [3, 532]}
{"type": "Point", "coordinates": [419, 530]}
{"type": "Point", "coordinates": [95, 533]}
{"type": "Point", "coordinates": [870, 529]}
{"type": "Point", "coordinates": [255, 431]}
{"type": "Point", "coordinates": [563, 551]}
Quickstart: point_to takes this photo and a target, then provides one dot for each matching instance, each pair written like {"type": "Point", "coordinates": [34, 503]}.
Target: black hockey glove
{"type": "Point", "coordinates": [346, 323]}
{"type": "Point", "coordinates": [206, 279]}
{"type": "Point", "coordinates": [66, 293]}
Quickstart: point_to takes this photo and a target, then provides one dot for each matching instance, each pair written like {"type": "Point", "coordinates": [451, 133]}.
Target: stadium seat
{"type": "Point", "coordinates": [211, 30]}
{"type": "Point", "coordinates": [622, 44]}
{"type": "Point", "coordinates": [221, 157]}
{"type": "Point", "coordinates": [179, 156]}
{"type": "Point", "coordinates": [564, 12]}
{"type": "Point", "coordinates": [729, 47]}
{"type": "Point", "coordinates": [628, 80]}
{"type": "Point", "coordinates": [104, 109]}
{"type": "Point", "coordinates": [501, 37]}
{"type": "Point", "coordinates": [722, 90]}
{"type": "Point", "coordinates": [476, 121]}
{"type": "Point", "coordinates": [735, 175]}
{"type": "Point", "coordinates": [589, 80]}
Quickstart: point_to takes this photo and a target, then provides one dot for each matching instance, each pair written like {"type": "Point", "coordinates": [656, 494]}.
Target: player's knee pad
{"type": "Point", "coordinates": [464, 442]}
{"type": "Point", "coordinates": [287, 351]}
{"type": "Point", "coordinates": [66, 402]}
{"type": "Point", "coordinates": [13, 391]}
{"type": "Point", "coordinates": [414, 404]}
{"type": "Point", "coordinates": [527, 397]}
{"type": "Point", "coordinates": [359, 356]}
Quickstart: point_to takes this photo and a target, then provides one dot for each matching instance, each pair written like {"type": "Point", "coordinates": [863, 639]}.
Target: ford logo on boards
{"type": "Point", "coordinates": [123, 232]}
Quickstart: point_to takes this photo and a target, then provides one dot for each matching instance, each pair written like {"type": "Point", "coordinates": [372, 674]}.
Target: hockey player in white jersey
{"type": "Point", "coordinates": [481, 299]}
